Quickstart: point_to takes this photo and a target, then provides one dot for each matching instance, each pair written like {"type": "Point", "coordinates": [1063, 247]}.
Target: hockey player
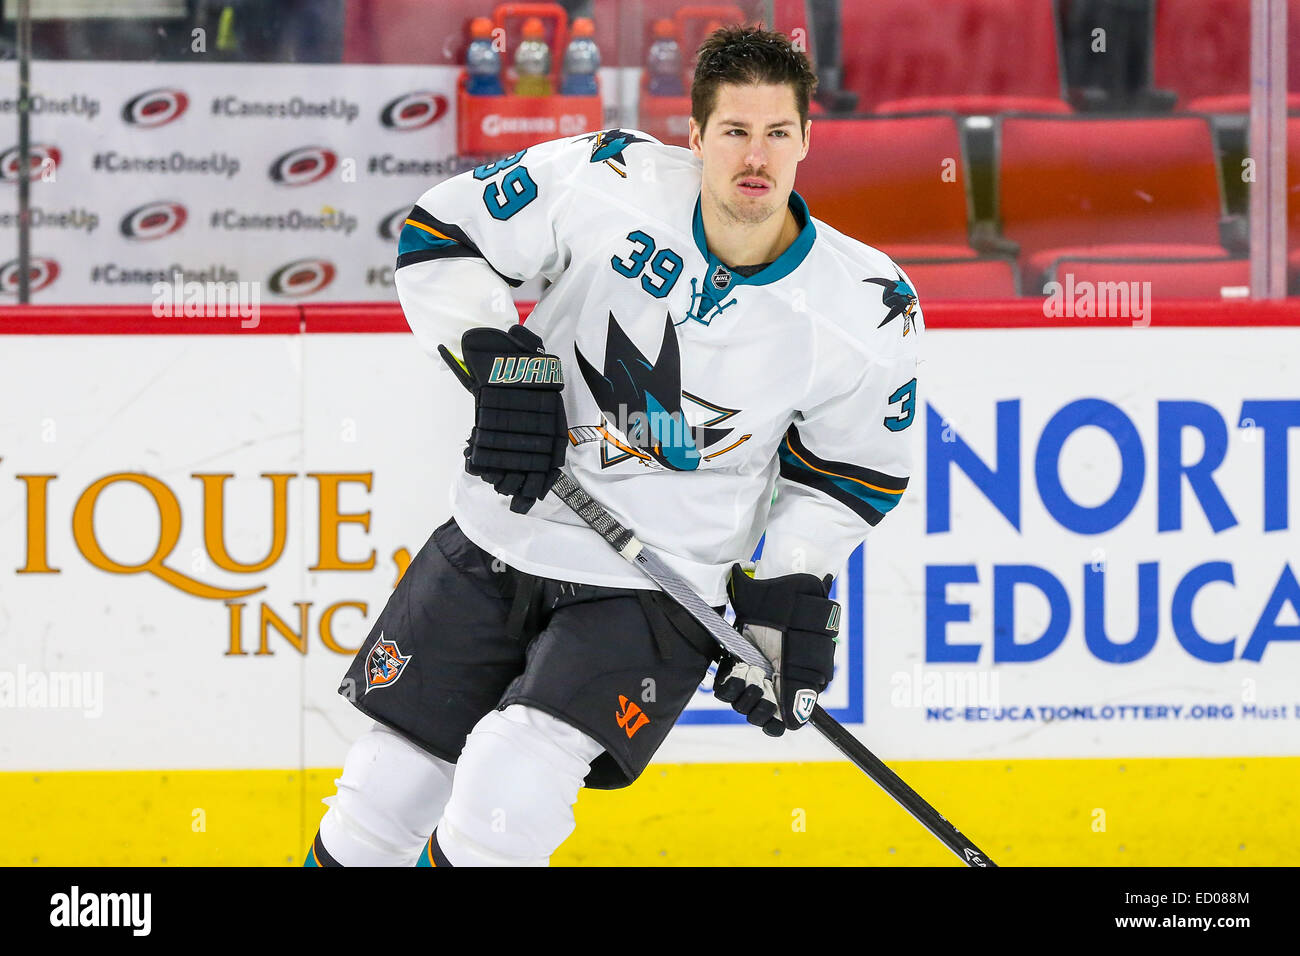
{"type": "Point", "coordinates": [712, 364]}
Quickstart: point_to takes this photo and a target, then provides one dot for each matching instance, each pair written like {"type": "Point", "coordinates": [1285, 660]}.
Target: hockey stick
{"type": "Point", "coordinates": [626, 544]}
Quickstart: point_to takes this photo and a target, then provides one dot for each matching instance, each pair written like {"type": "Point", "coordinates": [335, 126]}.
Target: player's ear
{"type": "Point", "coordinates": [807, 138]}
{"type": "Point", "coordinates": [693, 134]}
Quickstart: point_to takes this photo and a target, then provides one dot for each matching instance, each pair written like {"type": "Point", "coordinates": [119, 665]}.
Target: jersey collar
{"type": "Point", "coordinates": [779, 268]}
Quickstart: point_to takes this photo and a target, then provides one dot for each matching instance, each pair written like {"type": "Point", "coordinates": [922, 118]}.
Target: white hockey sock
{"type": "Point", "coordinates": [516, 782]}
{"type": "Point", "coordinates": [389, 798]}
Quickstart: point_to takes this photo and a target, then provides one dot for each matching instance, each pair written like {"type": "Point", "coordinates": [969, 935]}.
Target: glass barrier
{"type": "Point", "coordinates": [993, 148]}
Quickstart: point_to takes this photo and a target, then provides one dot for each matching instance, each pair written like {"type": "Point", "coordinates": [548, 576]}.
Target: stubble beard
{"type": "Point", "coordinates": [747, 215]}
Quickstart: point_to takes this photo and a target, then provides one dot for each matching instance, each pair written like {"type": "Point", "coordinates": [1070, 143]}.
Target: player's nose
{"type": "Point", "coordinates": [756, 155]}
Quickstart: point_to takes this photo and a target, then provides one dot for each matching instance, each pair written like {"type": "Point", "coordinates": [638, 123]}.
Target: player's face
{"type": "Point", "coordinates": [750, 146]}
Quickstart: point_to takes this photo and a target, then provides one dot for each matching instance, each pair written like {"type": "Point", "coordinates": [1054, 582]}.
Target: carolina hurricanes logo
{"type": "Point", "coordinates": [384, 664]}
{"type": "Point", "coordinates": [300, 167]}
{"type": "Point", "coordinates": [391, 225]}
{"type": "Point", "coordinates": [155, 108]}
{"type": "Point", "coordinates": [301, 278]}
{"type": "Point", "coordinates": [154, 220]}
{"type": "Point", "coordinates": [414, 111]}
{"type": "Point", "coordinates": [41, 275]}
{"type": "Point", "coordinates": [40, 159]}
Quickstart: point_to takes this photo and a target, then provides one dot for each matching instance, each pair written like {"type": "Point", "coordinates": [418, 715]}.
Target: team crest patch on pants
{"type": "Point", "coordinates": [384, 664]}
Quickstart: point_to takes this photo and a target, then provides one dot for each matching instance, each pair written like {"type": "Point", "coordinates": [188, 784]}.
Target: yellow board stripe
{"type": "Point", "coordinates": [1242, 811]}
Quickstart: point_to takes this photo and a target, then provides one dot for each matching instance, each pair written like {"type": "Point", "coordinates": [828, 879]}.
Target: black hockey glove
{"type": "Point", "coordinates": [520, 432]}
{"type": "Point", "coordinates": [794, 624]}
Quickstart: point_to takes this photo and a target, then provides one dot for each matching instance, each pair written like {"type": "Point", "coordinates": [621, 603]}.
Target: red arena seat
{"type": "Point", "coordinates": [1293, 201]}
{"type": "Point", "coordinates": [623, 42]}
{"type": "Point", "coordinates": [897, 183]}
{"type": "Point", "coordinates": [409, 31]}
{"type": "Point", "coordinates": [437, 31]}
{"type": "Point", "coordinates": [1169, 278]}
{"type": "Point", "coordinates": [1114, 188]}
{"type": "Point", "coordinates": [791, 15]}
{"type": "Point", "coordinates": [1201, 51]}
{"type": "Point", "coordinates": [1293, 182]}
{"type": "Point", "coordinates": [968, 56]}
{"type": "Point", "coordinates": [962, 279]}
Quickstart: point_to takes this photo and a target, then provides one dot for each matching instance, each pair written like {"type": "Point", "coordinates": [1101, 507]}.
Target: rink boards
{"type": "Point", "coordinates": [1094, 567]}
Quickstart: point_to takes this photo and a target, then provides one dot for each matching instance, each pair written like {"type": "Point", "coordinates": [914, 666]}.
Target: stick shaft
{"type": "Point", "coordinates": [626, 543]}
{"type": "Point", "coordinates": [896, 787]}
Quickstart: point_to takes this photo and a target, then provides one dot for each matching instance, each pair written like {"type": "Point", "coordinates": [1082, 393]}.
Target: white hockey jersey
{"type": "Point", "coordinates": [705, 407]}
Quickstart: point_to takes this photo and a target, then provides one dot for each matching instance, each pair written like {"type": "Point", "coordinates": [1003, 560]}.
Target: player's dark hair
{"type": "Point", "coordinates": [746, 55]}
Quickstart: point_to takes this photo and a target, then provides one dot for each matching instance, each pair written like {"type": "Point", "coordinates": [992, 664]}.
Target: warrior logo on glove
{"type": "Point", "coordinates": [792, 621]}
{"type": "Point", "coordinates": [804, 702]}
{"type": "Point", "coordinates": [520, 431]}
{"type": "Point", "coordinates": [522, 371]}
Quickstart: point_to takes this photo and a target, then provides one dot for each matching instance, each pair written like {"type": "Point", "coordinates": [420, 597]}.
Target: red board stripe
{"type": "Point", "coordinates": [368, 316]}
{"type": "Point", "coordinates": [1175, 313]}
{"type": "Point", "coordinates": [386, 317]}
{"type": "Point", "coordinates": [355, 317]}
{"type": "Point", "coordinates": [140, 320]}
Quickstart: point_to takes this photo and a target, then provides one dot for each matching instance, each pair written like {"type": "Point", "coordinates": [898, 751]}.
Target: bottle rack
{"type": "Point", "coordinates": [664, 117]}
{"type": "Point", "coordinates": [497, 125]}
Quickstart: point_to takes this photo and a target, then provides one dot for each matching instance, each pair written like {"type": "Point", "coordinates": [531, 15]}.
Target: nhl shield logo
{"type": "Point", "coordinates": [721, 278]}
{"type": "Point", "coordinates": [384, 664]}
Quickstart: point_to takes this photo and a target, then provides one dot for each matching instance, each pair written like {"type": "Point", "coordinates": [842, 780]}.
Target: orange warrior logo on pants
{"type": "Point", "coordinates": [632, 717]}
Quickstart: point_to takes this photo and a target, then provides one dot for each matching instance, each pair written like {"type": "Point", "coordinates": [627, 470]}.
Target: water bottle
{"type": "Point", "coordinates": [665, 62]}
{"type": "Point", "coordinates": [482, 62]}
{"type": "Point", "coordinates": [581, 60]}
{"type": "Point", "coordinates": [533, 61]}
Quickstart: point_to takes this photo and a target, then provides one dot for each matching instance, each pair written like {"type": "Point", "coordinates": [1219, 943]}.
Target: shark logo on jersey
{"type": "Point", "coordinates": [384, 664]}
{"type": "Point", "coordinates": [899, 298]}
{"type": "Point", "coordinates": [645, 408]}
{"type": "Point", "coordinates": [608, 145]}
